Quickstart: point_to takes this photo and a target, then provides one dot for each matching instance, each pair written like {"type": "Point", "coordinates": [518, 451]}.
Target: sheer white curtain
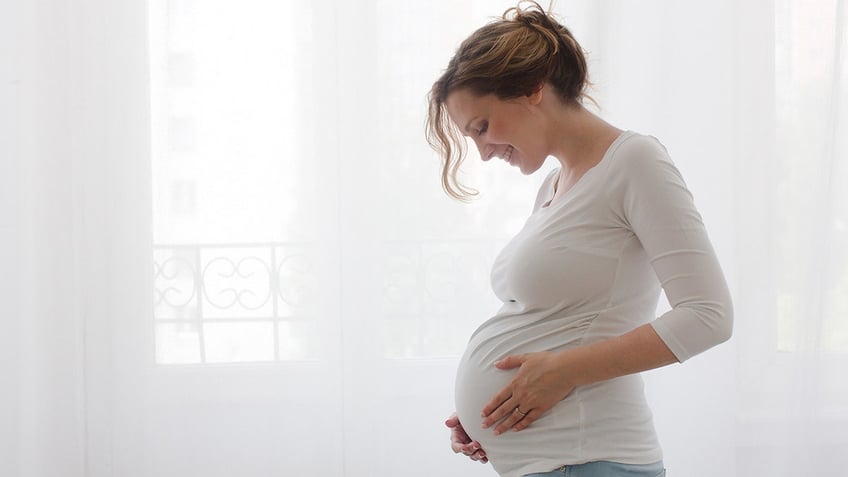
{"type": "Point", "coordinates": [227, 253]}
{"type": "Point", "coordinates": [791, 237]}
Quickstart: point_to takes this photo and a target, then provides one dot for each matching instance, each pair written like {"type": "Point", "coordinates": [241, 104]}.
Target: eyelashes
{"type": "Point", "coordinates": [483, 128]}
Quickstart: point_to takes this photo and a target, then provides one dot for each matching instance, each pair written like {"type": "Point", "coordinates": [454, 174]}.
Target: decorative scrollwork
{"type": "Point", "coordinates": [175, 269]}
{"type": "Point", "coordinates": [296, 280]}
{"type": "Point", "coordinates": [233, 271]}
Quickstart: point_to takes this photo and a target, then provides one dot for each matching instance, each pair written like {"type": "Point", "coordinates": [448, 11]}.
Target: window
{"type": "Point", "coordinates": [233, 260]}
{"type": "Point", "coordinates": [812, 254]}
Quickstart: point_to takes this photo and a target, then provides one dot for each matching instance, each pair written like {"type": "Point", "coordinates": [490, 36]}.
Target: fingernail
{"type": "Point", "coordinates": [484, 425]}
{"type": "Point", "coordinates": [497, 432]}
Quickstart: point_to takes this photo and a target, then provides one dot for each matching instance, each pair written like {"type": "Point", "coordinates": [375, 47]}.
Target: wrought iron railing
{"type": "Point", "coordinates": [260, 292]}
{"type": "Point", "coordinates": [260, 302]}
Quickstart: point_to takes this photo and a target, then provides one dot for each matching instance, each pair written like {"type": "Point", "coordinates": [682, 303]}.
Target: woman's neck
{"type": "Point", "coordinates": [579, 139]}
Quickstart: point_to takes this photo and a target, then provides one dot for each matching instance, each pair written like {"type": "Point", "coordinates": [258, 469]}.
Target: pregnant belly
{"type": "Point", "coordinates": [477, 378]}
{"type": "Point", "coordinates": [594, 419]}
{"type": "Point", "coordinates": [477, 381]}
{"type": "Point", "coordinates": [476, 384]}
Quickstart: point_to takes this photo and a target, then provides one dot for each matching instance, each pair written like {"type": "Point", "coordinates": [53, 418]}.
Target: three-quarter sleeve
{"type": "Point", "coordinates": [652, 199]}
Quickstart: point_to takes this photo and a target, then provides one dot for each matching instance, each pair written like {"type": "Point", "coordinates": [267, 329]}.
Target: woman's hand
{"type": "Point", "coordinates": [462, 443]}
{"type": "Point", "coordinates": [540, 383]}
{"type": "Point", "coordinates": [544, 379]}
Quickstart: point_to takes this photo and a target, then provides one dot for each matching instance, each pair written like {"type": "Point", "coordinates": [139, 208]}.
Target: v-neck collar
{"type": "Point", "coordinates": [565, 195]}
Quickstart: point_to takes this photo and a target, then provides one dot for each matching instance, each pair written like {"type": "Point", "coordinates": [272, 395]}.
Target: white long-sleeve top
{"type": "Point", "coordinates": [586, 267]}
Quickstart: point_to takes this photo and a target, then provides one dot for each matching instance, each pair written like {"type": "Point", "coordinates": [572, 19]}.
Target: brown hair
{"type": "Point", "coordinates": [510, 57]}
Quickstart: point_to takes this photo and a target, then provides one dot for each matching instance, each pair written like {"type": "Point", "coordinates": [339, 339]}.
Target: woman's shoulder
{"type": "Point", "coordinates": [635, 154]}
{"type": "Point", "coordinates": [641, 164]}
{"type": "Point", "coordinates": [633, 146]}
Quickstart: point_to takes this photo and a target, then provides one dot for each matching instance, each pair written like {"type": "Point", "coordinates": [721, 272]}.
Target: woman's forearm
{"type": "Point", "coordinates": [638, 350]}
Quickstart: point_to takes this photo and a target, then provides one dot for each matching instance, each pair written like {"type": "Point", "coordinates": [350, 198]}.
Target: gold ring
{"type": "Point", "coordinates": [520, 412]}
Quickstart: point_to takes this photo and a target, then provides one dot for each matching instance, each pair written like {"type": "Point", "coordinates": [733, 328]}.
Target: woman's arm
{"type": "Point", "coordinates": [543, 379]}
{"type": "Point", "coordinates": [648, 196]}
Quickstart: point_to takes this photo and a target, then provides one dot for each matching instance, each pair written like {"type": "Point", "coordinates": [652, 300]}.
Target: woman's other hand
{"type": "Point", "coordinates": [462, 443]}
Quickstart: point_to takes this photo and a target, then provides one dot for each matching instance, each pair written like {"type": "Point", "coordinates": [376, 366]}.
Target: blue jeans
{"type": "Point", "coordinates": [605, 468]}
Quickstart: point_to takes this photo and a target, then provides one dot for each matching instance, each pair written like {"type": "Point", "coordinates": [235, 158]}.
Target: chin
{"type": "Point", "coordinates": [527, 170]}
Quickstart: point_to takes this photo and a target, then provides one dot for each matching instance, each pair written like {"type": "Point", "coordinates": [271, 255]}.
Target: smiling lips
{"type": "Point", "coordinates": [505, 156]}
{"type": "Point", "coordinates": [507, 153]}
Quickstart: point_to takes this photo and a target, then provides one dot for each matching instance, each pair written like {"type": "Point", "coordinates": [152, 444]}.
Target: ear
{"type": "Point", "coordinates": [535, 97]}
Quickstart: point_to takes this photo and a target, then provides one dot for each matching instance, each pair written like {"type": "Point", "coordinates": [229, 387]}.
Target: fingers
{"type": "Point", "coordinates": [511, 416]}
{"type": "Point", "coordinates": [511, 362]}
{"type": "Point", "coordinates": [460, 441]}
{"type": "Point", "coordinates": [474, 452]}
{"type": "Point", "coordinates": [506, 416]}
{"type": "Point", "coordinates": [528, 419]}
{"type": "Point", "coordinates": [471, 449]}
{"type": "Point", "coordinates": [517, 420]}
{"type": "Point", "coordinates": [479, 456]}
{"type": "Point", "coordinates": [452, 421]}
{"type": "Point", "coordinates": [495, 405]}
{"type": "Point", "coordinates": [504, 394]}
{"type": "Point", "coordinates": [460, 447]}
{"type": "Point", "coordinates": [458, 434]}
{"type": "Point", "coordinates": [504, 409]}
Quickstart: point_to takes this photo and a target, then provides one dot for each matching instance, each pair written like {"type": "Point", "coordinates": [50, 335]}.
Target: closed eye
{"type": "Point", "coordinates": [483, 128]}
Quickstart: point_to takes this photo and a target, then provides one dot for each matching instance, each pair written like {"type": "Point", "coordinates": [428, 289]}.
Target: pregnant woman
{"type": "Point", "coordinates": [550, 385]}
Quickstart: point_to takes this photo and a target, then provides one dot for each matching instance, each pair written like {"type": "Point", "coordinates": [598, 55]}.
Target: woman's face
{"type": "Point", "coordinates": [500, 128]}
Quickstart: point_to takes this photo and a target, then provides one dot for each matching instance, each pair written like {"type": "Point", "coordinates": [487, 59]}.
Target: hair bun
{"type": "Point", "coordinates": [532, 14]}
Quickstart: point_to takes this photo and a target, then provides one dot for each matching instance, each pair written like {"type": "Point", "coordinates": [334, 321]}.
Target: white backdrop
{"type": "Point", "coordinates": [259, 170]}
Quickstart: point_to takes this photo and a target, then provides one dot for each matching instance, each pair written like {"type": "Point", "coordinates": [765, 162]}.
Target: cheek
{"type": "Point", "coordinates": [500, 132]}
{"type": "Point", "coordinates": [510, 131]}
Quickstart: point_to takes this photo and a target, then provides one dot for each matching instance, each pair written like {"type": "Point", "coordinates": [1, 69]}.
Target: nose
{"type": "Point", "coordinates": [481, 148]}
